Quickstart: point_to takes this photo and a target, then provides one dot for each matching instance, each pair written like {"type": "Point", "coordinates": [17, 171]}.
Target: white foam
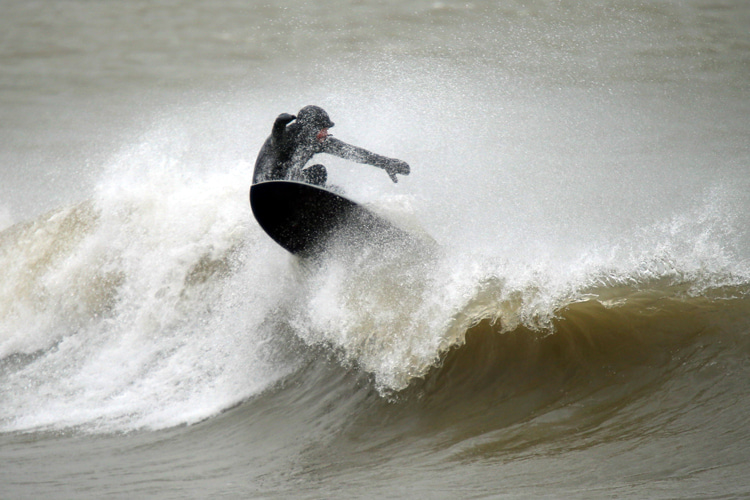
{"type": "Point", "coordinates": [153, 315]}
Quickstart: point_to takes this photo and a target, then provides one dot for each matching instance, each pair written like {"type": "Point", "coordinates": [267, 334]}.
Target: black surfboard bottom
{"type": "Point", "coordinates": [303, 218]}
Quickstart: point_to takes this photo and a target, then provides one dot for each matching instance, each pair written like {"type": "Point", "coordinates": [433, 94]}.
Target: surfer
{"type": "Point", "coordinates": [291, 146]}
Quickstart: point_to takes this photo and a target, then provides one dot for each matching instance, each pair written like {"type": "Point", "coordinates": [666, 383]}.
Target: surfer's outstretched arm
{"type": "Point", "coordinates": [348, 152]}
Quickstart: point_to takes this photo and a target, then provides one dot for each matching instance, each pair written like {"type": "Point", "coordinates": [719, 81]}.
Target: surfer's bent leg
{"type": "Point", "coordinates": [315, 174]}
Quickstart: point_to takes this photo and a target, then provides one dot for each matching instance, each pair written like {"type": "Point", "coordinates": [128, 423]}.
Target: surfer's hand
{"type": "Point", "coordinates": [285, 118]}
{"type": "Point", "coordinates": [394, 167]}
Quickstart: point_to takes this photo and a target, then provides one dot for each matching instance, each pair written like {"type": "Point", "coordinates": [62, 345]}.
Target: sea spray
{"type": "Point", "coordinates": [131, 310]}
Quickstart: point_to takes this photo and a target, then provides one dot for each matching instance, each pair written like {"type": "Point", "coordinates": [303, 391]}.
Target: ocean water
{"type": "Point", "coordinates": [574, 324]}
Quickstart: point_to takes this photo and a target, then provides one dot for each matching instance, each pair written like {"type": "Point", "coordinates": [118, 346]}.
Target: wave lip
{"type": "Point", "coordinates": [396, 315]}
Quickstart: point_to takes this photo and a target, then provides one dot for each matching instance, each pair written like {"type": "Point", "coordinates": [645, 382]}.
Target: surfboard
{"type": "Point", "coordinates": [303, 218]}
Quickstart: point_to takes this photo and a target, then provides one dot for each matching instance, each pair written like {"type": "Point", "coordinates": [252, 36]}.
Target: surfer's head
{"type": "Point", "coordinates": [315, 121]}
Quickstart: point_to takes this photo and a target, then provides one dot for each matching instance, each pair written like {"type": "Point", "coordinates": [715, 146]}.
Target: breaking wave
{"type": "Point", "coordinates": [160, 302]}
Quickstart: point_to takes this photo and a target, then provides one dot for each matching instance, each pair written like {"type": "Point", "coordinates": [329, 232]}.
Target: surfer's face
{"type": "Point", "coordinates": [322, 135]}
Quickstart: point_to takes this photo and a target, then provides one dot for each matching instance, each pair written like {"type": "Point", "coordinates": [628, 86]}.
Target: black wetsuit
{"type": "Point", "coordinates": [291, 145]}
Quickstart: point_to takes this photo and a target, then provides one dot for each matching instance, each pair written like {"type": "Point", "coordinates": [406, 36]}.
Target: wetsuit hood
{"type": "Point", "coordinates": [314, 117]}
